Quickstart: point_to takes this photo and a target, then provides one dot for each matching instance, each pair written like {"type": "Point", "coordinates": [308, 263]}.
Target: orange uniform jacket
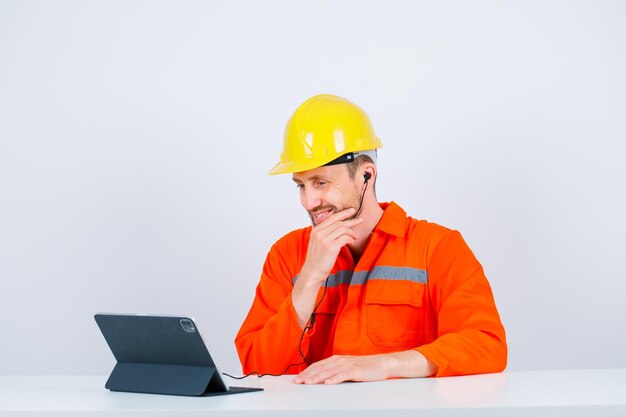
{"type": "Point", "coordinates": [416, 286]}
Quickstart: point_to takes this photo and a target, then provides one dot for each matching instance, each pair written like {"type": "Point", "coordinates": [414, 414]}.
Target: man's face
{"type": "Point", "coordinates": [326, 190]}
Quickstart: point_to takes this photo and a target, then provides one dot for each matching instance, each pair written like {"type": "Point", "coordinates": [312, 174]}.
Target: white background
{"type": "Point", "coordinates": [135, 140]}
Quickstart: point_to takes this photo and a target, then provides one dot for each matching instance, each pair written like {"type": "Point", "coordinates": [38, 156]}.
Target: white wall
{"type": "Point", "coordinates": [135, 138]}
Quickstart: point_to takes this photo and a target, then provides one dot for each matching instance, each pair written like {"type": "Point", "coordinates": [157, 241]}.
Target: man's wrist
{"type": "Point", "coordinates": [311, 278]}
{"type": "Point", "coordinates": [410, 364]}
{"type": "Point", "coordinates": [303, 296]}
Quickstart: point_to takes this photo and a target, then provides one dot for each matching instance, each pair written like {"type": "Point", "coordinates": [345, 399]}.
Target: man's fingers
{"type": "Point", "coordinates": [332, 370]}
{"type": "Point", "coordinates": [332, 228]}
{"type": "Point", "coordinates": [344, 214]}
{"type": "Point", "coordinates": [339, 378]}
{"type": "Point", "coordinates": [352, 222]}
{"type": "Point", "coordinates": [341, 368]}
{"type": "Point", "coordinates": [339, 232]}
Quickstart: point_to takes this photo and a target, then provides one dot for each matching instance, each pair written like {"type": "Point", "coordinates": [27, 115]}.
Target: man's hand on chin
{"type": "Point", "coordinates": [336, 369]}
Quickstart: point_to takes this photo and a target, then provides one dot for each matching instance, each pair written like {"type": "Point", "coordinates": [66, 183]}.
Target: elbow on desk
{"type": "Point", "coordinates": [494, 359]}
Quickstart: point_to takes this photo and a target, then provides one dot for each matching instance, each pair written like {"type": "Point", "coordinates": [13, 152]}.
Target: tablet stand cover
{"type": "Point", "coordinates": [160, 355]}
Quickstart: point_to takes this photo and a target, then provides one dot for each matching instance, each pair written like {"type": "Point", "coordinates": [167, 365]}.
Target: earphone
{"type": "Point", "coordinates": [367, 176]}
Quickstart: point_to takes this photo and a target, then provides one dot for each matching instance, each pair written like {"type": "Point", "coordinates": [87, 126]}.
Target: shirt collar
{"type": "Point", "coordinates": [393, 220]}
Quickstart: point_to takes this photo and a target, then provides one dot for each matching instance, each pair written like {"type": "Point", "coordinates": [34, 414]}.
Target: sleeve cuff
{"type": "Point", "coordinates": [431, 353]}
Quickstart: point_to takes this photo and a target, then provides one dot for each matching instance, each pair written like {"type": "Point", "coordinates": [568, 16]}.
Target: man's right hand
{"type": "Point", "coordinates": [325, 242]}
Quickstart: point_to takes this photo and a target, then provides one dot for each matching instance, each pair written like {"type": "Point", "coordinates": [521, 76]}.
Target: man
{"type": "Point", "coordinates": [365, 293]}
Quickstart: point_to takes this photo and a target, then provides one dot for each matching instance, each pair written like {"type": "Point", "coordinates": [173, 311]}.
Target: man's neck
{"type": "Point", "coordinates": [371, 214]}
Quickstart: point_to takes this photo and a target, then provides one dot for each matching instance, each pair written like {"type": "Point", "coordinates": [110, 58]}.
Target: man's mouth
{"type": "Point", "coordinates": [321, 215]}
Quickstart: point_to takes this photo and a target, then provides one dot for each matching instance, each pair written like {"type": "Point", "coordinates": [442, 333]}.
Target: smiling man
{"type": "Point", "coordinates": [366, 293]}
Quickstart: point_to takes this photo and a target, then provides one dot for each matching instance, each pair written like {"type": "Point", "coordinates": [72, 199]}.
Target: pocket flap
{"type": "Point", "coordinates": [394, 292]}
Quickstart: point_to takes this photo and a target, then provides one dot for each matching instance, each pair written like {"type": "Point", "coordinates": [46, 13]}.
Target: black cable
{"type": "Point", "coordinates": [306, 328]}
{"type": "Point", "coordinates": [312, 319]}
{"type": "Point", "coordinates": [361, 202]}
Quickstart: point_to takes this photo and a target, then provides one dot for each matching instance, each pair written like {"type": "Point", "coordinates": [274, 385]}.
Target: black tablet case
{"type": "Point", "coordinates": [156, 355]}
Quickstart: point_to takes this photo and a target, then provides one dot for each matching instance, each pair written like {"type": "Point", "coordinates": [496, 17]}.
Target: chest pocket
{"type": "Point", "coordinates": [395, 313]}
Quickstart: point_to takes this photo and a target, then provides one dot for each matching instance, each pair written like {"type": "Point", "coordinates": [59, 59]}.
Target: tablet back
{"type": "Point", "coordinates": [160, 355]}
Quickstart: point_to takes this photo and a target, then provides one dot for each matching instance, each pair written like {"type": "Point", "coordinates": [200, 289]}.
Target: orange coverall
{"type": "Point", "coordinates": [416, 286]}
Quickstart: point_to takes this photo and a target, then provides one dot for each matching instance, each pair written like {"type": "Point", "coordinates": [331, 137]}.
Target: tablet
{"type": "Point", "coordinates": [161, 355]}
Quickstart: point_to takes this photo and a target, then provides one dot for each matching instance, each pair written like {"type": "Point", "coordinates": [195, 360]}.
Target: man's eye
{"type": "Point", "coordinates": [300, 186]}
{"type": "Point", "coordinates": [321, 183]}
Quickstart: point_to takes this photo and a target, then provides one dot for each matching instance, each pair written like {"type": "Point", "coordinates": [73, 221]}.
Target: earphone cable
{"type": "Point", "coordinates": [306, 328]}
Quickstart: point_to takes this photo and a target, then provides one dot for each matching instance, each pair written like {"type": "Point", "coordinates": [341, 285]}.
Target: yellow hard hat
{"type": "Point", "coordinates": [322, 129]}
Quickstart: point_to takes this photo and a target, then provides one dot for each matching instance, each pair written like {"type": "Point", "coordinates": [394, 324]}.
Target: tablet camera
{"type": "Point", "coordinates": [187, 325]}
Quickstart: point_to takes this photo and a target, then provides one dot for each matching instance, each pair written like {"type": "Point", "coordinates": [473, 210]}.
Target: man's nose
{"type": "Point", "coordinates": [310, 199]}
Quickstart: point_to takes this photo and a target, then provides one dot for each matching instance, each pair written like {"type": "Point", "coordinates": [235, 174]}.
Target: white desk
{"type": "Point", "coordinates": [535, 393]}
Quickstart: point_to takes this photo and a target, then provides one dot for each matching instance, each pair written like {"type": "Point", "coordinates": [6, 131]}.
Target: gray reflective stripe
{"type": "Point", "coordinates": [359, 278]}
{"type": "Point", "coordinates": [399, 273]}
{"type": "Point", "coordinates": [391, 273]}
{"type": "Point", "coordinates": [341, 277]}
